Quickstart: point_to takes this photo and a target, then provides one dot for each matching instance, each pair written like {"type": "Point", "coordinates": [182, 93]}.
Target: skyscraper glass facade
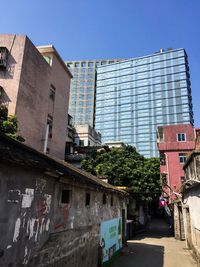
{"type": "Point", "coordinates": [82, 90]}
{"type": "Point", "coordinates": [135, 96]}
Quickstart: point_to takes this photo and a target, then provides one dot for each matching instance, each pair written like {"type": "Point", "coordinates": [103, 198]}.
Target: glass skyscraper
{"type": "Point", "coordinates": [135, 96]}
{"type": "Point", "coordinates": [83, 89]}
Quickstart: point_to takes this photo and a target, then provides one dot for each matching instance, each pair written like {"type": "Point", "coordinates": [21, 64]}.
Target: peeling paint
{"type": "Point", "coordinates": [26, 256]}
{"type": "Point", "coordinates": [41, 226]}
{"type": "Point", "coordinates": [28, 198]}
{"type": "Point", "coordinates": [48, 202]}
{"type": "Point", "coordinates": [47, 225]}
{"type": "Point", "coordinates": [31, 224]}
{"type": "Point", "coordinates": [9, 246]}
{"type": "Point", "coordinates": [17, 228]}
{"type": "Point", "coordinates": [40, 185]}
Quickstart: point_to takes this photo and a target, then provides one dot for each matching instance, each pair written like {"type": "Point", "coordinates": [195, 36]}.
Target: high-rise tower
{"type": "Point", "coordinates": [135, 96]}
{"type": "Point", "coordinates": [83, 89]}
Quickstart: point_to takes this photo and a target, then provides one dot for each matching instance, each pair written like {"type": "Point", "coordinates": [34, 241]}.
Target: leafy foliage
{"type": "Point", "coordinates": [8, 124]}
{"type": "Point", "coordinates": [126, 167]}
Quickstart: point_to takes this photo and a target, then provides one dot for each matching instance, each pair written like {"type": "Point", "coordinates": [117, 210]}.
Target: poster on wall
{"type": "Point", "coordinates": [111, 237]}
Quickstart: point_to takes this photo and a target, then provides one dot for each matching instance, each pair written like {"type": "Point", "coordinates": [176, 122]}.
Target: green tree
{"type": "Point", "coordinates": [126, 167]}
{"type": "Point", "coordinates": [8, 124]}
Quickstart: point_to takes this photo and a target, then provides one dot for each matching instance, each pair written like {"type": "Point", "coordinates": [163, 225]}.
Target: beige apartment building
{"type": "Point", "coordinates": [35, 85]}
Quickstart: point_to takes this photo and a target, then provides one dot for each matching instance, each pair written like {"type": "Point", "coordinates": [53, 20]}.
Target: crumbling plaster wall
{"type": "Point", "coordinates": [25, 213]}
{"type": "Point", "coordinates": [191, 202]}
{"type": "Point", "coordinates": [38, 230]}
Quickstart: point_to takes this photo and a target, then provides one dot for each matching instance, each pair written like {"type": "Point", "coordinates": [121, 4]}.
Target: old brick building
{"type": "Point", "coordinates": [35, 84]}
{"type": "Point", "coordinates": [175, 143]}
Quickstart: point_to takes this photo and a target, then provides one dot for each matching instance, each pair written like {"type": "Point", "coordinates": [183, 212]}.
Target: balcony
{"type": "Point", "coordinates": [3, 57]}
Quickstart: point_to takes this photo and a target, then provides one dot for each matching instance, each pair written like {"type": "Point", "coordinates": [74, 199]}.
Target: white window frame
{"type": "Point", "coordinates": [181, 138]}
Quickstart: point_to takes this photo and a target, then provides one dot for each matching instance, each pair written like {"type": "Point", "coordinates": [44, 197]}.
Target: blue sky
{"type": "Point", "coordinates": [98, 29]}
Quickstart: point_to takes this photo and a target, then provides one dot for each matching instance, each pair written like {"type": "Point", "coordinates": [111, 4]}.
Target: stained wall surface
{"type": "Point", "coordinates": [27, 82]}
{"type": "Point", "coordinates": [47, 221]}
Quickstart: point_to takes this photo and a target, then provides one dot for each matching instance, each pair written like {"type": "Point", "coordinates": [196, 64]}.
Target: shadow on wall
{"type": "Point", "coordinates": [141, 255]}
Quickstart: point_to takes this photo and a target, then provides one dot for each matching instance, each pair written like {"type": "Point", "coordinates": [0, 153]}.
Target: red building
{"type": "Point", "coordinates": [175, 142]}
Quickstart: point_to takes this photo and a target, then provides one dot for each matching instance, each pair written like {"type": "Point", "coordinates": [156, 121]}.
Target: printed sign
{"type": "Point", "coordinates": [111, 237]}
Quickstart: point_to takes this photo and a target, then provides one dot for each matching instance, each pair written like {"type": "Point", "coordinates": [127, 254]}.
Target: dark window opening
{"type": "Point", "coordinates": [162, 159]}
{"type": "Point", "coordinates": [181, 137]}
{"type": "Point", "coordinates": [81, 142]}
{"type": "Point", "coordinates": [65, 197]}
{"type": "Point", "coordinates": [182, 157]}
{"type": "Point", "coordinates": [104, 199]}
{"type": "Point", "coordinates": [111, 201]}
{"type": "Point", "coordinates": [3, 57]}
{"type": "Point", "coordinates": [52, 92]}
{"type": "Point", "coordinates": [160, 135]}
{"type": "Point", "coordinates": [50, 124]}
{"type": "Point", "coordinates": [87, 199]}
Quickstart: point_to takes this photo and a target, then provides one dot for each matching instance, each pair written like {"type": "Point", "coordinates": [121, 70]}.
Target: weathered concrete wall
{"type": "Point", "coordinates": [191, 204]}
{"type": "Point", "coordinates": [38, 229]}
{"type": "Point", "coordinates": [60, 78]}
{"type": "Point", "coordinates": [25, 213]}
{"type": "Point", "coordinates": [26, 82]}
{"type": "Point", "coordinates": [33, 97]}
{"type": "Point", "coordinates": [179, 227]}
{"type": "Point", "coordinates": [77, 247]}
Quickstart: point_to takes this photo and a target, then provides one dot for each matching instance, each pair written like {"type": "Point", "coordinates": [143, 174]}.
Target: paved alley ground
{"type": "Point", "coordinates": [155, 248]}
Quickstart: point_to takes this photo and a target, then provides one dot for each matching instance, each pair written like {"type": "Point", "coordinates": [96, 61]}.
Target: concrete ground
{"type": "Point", "coordinates": [155, 248]}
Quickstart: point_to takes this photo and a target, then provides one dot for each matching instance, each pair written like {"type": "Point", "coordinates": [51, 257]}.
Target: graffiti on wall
{"type": "Point", "coordinates": [111, 238]}
{"type": "Point", "coordinates": [33, 218]}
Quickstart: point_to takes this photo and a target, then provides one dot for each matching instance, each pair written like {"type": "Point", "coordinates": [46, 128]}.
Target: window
{"type": "Point", "coordinates": [160, 135]}
{"type": "Point", "coordinates": [87, 199]}
{"type": "Point", "coordinates": [52, 92]}
{"type": "Point", "coordinates": [50, 125]}
{"type": "Point", "coordinates": [182, 157]}
{"type": "Point", "coordinates": [65, 197]}
{"type": "Point", "coordinates": [104, 199]}
{"type": "Point", "coordinates": [181, 137]}
{"type": "Point", "coordinates": [162, 159]}
{"type": "Point", "coordinates": [111, 201]}
{"type": "Point", "coordinates": [81, 142]}
{"type": "Point", "coordinates": [48, 59]}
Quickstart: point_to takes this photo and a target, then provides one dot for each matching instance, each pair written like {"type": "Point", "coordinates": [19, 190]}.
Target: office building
{"type": "Point", "coordinates": [35, 84]}
{"type": "Point", "coordinates": [83, 89]}
{"type": "Point", "coordinates": [135, 96]}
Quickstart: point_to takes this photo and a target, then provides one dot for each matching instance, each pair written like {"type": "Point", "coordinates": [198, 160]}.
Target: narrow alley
{"type": "Point", "coordinates": [155, 248]}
